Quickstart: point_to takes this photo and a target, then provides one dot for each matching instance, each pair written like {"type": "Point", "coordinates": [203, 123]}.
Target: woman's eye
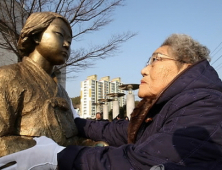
{"type": "Point", "coordinates": [154, 59]}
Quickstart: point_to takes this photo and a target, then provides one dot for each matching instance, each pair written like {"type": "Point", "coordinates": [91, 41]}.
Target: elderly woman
{"type": "Point", "coordinates": [177, 125]}
{"type": "Point", "coordinates": [32, 103]}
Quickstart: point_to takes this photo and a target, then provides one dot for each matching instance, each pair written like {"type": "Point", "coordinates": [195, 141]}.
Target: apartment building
{"type": "Point", "coordinates": [92, 90]}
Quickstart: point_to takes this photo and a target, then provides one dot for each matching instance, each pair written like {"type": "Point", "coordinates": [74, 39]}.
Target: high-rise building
{"type": "Point", "coordinates": [92, 90]}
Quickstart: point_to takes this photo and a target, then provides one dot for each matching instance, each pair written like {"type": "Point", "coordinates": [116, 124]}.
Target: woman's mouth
{"type": "Point", "coordinates": [142, 82]}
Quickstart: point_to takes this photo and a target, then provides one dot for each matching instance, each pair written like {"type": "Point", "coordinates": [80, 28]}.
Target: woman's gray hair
{"type": "Point", "coordinates": [185, 49]}
{"type": "Point", "coordinates": [36, 23]}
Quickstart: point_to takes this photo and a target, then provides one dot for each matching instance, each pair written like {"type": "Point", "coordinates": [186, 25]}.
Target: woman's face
{"type": "Point", "coordinates": [159, 73]}
{"type": "Point", "coordinates": [54, 43]}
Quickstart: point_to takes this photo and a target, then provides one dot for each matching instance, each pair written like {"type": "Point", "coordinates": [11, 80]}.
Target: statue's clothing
{"type": "Point", "coordinates": [32, 104]}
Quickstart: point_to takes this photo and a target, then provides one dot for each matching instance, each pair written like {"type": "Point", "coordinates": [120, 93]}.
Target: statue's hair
{"type": "Point", "coordinates": [36, 24]}
{"type": "Point", "coordinates": [185, 49]}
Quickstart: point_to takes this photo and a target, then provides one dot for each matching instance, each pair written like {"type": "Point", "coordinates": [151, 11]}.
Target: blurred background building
{"type": "Point", "coordinates": [92, 90]}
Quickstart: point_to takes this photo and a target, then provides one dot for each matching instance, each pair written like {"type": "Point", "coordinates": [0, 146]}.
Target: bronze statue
{"type": "Point", "coordinates": [32, 103]}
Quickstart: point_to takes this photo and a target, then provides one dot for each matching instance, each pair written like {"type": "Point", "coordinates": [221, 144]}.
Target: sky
{"type": "Point", "coordinates": [153, 21]}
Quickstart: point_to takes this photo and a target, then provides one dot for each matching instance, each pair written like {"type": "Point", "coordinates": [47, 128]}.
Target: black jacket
{"type": "Point", "coordinates": [186, 131]}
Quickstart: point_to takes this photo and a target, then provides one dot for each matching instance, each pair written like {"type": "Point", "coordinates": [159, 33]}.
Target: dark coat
{"type": "Point", "coordinates": [185, 130]}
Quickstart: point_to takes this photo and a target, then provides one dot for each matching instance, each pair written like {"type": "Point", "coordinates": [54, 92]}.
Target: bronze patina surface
{"type": "Point", "coordinates": [32, 103]}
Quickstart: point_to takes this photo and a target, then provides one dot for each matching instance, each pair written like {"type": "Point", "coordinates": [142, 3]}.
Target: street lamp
{"type": "Point", "coordinates": [115, 102]}
{"type": "Point", "coordinates": [130, 98]}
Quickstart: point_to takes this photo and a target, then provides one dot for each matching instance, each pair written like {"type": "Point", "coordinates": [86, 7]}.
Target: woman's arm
{"type": "Point", "coordinates": [114, 133]}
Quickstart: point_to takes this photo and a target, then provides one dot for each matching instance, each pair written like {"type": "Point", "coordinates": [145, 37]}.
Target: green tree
{"type": "Point", "coordinates": [136, 103]}
{"type": "Point", "coordinates": [76, 101]}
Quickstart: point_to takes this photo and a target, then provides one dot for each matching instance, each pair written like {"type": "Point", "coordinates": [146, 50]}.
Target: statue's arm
{"type": "Point", "coordinates": [10, 110]}
{"type": "Point", "coordinates": [12, 144]}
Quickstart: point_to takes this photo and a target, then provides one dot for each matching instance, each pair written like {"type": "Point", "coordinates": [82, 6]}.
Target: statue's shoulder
{"type": "Point", "coordinates": [9, 71]}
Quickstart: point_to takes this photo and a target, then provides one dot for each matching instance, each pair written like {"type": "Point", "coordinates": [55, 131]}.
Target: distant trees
{"type": "Point", "coordinates": [85, 16]}
{"type": "Point", "coordinates": [76, 101]}
{"type": "Point", "coordinates": [136, 103]}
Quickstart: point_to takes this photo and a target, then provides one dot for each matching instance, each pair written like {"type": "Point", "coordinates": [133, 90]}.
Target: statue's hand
{"type": "Point", "coordinates": [43, 156]}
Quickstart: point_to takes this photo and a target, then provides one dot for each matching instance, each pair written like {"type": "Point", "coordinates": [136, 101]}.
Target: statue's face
{"type": "Point", "coordinates": [54, 43]}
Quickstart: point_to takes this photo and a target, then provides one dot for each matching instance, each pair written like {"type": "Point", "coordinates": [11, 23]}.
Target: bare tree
{"type": "Point", "coordinates": [85, 16]}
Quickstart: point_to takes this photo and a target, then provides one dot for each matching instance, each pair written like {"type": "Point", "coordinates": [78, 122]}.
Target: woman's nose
{"type": "Point", "coordinates": [144, 71]}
